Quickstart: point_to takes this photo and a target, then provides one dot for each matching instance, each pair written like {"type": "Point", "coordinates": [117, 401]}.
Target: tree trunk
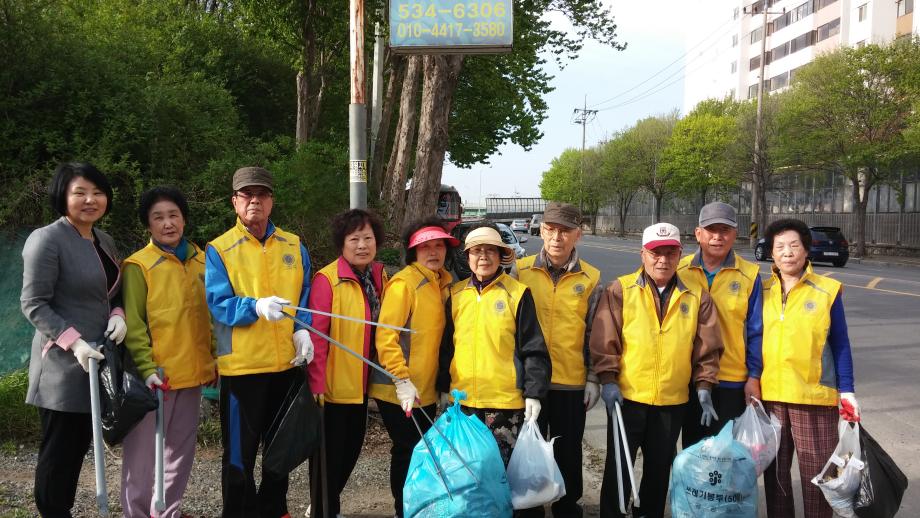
{"type": "Point", "coordinates": [378, 166]}
{"type": "Point", "coordinates": [311, 82]}
{"type": "Point", "coordinates": [860, 202]}
{"type": "Point", "coordinates": [441, 75]}
{"type": "Point", "coordinates": [403, 145]}
{"type": "Point", "coordinates": [658, 197]}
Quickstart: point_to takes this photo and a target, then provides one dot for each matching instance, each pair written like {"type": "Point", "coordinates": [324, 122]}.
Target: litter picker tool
{"type": "Point", "coordinates": [102, 498]}
{"type": "Point", "coordinates": [343, 347]}
{"type": "Point", "coordinates": [351, 319]}
{"type": "Point", "coordinates": [619, 432]}
{"type": "Point", "coordinates": [449, 444]}
{"type": "Point", "coordinates": [159, 469]}
{"type": "Point", "coordinates": [434, 459]}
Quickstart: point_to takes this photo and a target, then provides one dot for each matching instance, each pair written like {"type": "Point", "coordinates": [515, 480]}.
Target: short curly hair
{"type": "Point", "coordinates": [414, 227]}
{"type": "Point", "coordinates": [781, 225]}
{"type": "Point", "coordinates": [151, 196]}
{"type": "Point", "coordinates": [345, 223]}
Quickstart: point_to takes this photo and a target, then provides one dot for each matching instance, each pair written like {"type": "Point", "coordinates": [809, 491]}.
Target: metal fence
{"type": "Point", "coordinates": [892, 219]}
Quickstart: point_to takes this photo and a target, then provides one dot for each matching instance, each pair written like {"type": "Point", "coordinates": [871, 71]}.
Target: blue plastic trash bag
{"type": "Point", "coordinates": [486, 495]}
{"type": "Point", "coordinates": [715, 478]}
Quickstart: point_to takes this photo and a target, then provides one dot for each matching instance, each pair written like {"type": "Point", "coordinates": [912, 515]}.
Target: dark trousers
{"type": "Point", "coordinates": [729, 404]}
{"type": "Point", "coordinates": [344, 428]}
{"type": "Point", "coordinates": [66, 437]}
{"type": "Point", "coordinates": [404, 436]}
{"type": "Point", "coordinates": [248, 407]}
{"type": "Point", "coordinates": [563, 417]}
{"type": "Point", "coordinates": [654, 429]}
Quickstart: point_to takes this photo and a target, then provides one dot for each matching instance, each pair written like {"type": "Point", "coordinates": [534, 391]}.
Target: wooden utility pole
{"type": "Point", "coordinates": [583, 116]}
{"type": "Point", "coordinates": [357, 111]}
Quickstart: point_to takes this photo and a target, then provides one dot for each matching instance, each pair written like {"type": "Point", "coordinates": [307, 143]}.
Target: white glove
{"type": "Point", "coordinates": [592, 394]}
{"type": "Point", "coordinates": [153, 381]}
{"type": "Point", "coordinates": [303, 348]}
{"type": "Point", "coordinates": [709, 412]}
{"type": "Point", "coordinates": [117, 329]}
{"type": "Point", "coordinates": [850, 407]}
{"type": "Point", "coordinates": [406, 393]}
{"type": "Point", "coordinates": [531, 409]}
{"type": "Point", "coordinates": [83, 351]}
{"type": "Point", "coordinates": [270, 308]}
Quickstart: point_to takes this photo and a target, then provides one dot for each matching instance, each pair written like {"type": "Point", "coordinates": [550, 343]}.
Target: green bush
{"type": "Point", "coordinates": [389, 256]}
{"type": "Point", "coordinates": [18, 421]}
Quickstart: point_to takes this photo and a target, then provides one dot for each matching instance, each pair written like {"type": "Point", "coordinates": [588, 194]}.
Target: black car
{"type": "Point", "coordinates": [827, 245]}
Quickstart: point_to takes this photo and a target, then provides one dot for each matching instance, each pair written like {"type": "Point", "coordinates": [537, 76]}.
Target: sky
{"type": "Point", "coordinates": [657, 34]}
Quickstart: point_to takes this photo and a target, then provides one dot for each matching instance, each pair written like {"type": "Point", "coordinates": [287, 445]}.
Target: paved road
{"type": "Point", "coordinates": [883, 313]}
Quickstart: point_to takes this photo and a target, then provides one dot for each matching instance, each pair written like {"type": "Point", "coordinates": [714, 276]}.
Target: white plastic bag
{"type": "Point", "coordinates": [759, 432]}
{"type": "Point", "coordinates": [839, 480]}
{"type": "Point", "coordinates": [532, 471]}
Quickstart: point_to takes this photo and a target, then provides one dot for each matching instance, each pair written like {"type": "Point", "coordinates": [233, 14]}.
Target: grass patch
{"type": "Point", "coordinates": [18, 421]}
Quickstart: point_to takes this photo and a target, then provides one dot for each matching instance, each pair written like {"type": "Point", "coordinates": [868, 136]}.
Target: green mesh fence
{"type": "Point", "coordinates": [15, 331]}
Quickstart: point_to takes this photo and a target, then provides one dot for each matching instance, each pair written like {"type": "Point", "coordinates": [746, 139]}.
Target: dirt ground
{"type": "Point", "coordinates": [367, 494]}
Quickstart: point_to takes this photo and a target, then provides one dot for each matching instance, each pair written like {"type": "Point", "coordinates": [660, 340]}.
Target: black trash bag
{"type": "Point", "coordinates": [124, 399]}
{"type": "Point", "coordinates": [883, 483]}
{"type": "Point", "coordinates": [294, 434]}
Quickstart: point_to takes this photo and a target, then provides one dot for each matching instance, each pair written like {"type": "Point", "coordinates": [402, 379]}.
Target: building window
{"type": "Point", "coordinates": [863, 11]}
{"type": "Point", "coordinates": [756, 34]}
{"type": "Point", "coordinates": [736, 13]}
{"type": "Point", "coordinates": [829, 29]}
{"type": "Point", "coordinates": [780, 81]}
{"type": "Point", "coordinates": [755, 63]}
{"type": "Point", "coordinates": [734, 66]}
{"type": "Point", "coordinates": [860, 44]}
{"type": "Point", "coordinates": [905, 7]}
{"type": "Point", "coordinates": [821, 4]}
{"type": "Point", "coordinates": [752, 91]}
{"type": "Point", "coordinates": [734, 40]}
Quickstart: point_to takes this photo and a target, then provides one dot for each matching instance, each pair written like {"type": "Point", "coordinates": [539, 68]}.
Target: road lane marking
{"type": "Point", "coordinates": [883, 290]}
{"type": "Point", "coordinates": [828, 274]}
{"type": "Point", "coordinates": [874, 282]}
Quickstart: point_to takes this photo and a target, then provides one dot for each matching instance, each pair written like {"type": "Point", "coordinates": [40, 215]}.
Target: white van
{"type": "Point", "coordinates": [535, 221]}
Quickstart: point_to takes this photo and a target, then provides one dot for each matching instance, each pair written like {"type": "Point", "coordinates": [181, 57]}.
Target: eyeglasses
{"type": "Point", "coordinates": [657, 256]}
{"type": "Point", "coordinates": [558, 231]}
{"type": "Point", "coordinates": [248, 195]}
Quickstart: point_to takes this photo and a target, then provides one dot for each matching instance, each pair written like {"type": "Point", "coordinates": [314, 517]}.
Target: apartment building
{"type": "Point", "coordinates": [796, 32]}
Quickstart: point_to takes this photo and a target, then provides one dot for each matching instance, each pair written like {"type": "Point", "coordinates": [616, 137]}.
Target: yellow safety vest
{"type": "Point", "coordinates": [730, 291]}
{"type": "Point", "coordinates": [346, 376]}
{"type": "Point", "coordinates": [561, 311]}
{"type": "Point", "coordinates": [258, 270]}
{"type": "Point", "coordinates": [177, 314]}
{"type": "Point", "coordinates": [656, 365]}
{"type": "Point", "coordinates": [415, 300]}
{"type": "Point", "coordinates": [798, 366]}
{"type": "Point", "coordinates": [485, 325]}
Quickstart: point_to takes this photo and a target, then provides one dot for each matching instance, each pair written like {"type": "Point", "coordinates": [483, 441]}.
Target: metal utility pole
{"type": "Point", "coordinates": [758, 183]}
{"type": "Point", "coordinates": [377, 88]}
{"type": "Point", "coordinates": [357, 112]}
{"type": "Point", "coordinates": [583, 116]}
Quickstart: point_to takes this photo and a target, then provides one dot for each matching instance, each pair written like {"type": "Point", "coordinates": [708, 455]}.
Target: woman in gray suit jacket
{"type": "Point", "coordinates": [70, 293]}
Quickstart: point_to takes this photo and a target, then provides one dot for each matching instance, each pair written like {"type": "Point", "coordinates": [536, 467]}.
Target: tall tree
{"type": "Point", "coordinates": [848, 110]}
{"type": "Point", "coordinates": [645, 145]}
{"type": "Point", "coordinates": [697, 155]}
{"type": "Point", "coordinates": [623, 177]}
{"type": "Point", "coordinates": [533, 38]}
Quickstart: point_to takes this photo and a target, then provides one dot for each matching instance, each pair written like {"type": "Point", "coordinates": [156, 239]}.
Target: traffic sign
{"type": "Point", "coordinates": [451, 26]}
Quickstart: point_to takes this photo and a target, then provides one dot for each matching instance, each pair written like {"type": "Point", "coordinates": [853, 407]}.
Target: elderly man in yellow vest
{"type": "Point", "coordinates": [651, 335]}
{"type": "Point", "coordinates": [252, 271]}
{"type": "Point", "coordinates": [735, 288]}
{"type": "Point", "coordinates": [565, 289]}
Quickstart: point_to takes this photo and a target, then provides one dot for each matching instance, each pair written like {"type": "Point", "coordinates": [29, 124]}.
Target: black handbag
{"type": "Point", "coordinates": [882, 484]}
{"type": "Point", "coordinates": [294, 434]}
{"type": "Point", "coordinates": [124, 399]}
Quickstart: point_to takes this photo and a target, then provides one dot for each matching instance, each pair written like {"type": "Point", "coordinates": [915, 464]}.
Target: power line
{"type": "Point", "coordinates": [728, 24]}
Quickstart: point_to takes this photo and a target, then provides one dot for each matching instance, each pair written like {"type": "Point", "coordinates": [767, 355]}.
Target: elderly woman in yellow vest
{"type": "Point", "coordinates": [168, 328]}
{"type": "Point", "coordinates": [352, 285]}
{"type": "Point", "coordinates": [807, 367]}
{"type": "Point", "coordinates": [493, 347]}
{"type": "Point", "coordinates": [415, 300]}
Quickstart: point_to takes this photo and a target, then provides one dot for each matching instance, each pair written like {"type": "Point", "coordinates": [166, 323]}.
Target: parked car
{"type": "Point", "coordinates": [827, 245]}
{"type": "Point", "coordinates": [519, 225]}
{"type": "Point", "coordinates": [535, 222]}
{"type": "Point", "coordinates": [456, 260]}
